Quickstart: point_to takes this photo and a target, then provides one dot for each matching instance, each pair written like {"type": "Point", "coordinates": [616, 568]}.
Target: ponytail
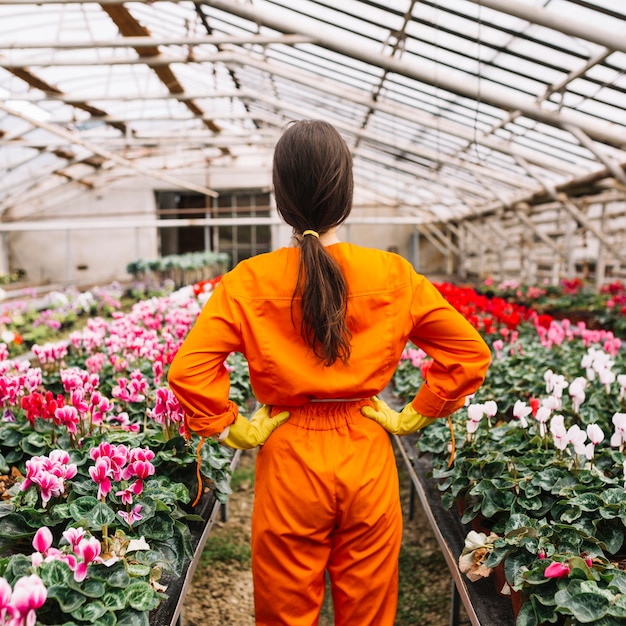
{"type": "Point", "coordinates": [323, 294]}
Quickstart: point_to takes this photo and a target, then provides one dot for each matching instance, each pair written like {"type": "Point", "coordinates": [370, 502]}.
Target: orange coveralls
{"type": "Point", "coordinates": [326, 488]}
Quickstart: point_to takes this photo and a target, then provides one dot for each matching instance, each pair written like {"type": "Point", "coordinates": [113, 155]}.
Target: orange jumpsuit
{"type": "Point", "coordinates": [326, 488]}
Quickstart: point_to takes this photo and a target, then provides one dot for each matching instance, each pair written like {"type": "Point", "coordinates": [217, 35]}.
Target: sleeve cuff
{"type": "Point", "coordinates": [209, 426]}
{"type": "Point", "coordinates": [429, 404]}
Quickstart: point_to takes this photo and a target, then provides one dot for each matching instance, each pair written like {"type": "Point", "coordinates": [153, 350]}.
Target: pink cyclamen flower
{"type": "Point", "coordinates": [50, 486]}
{"type": "Point", "coordinates": [73, 536]}
{"type": "Point", "coordinates": [131, 517]}
{"type": "Point", "coordinates": [125, 495]}
{"type": "Point", "coordinates": [557, 570]}
{"type": "Point", "coordinates": [5, 597]}
{"type": "Point", "coordinates": [577, 437]}
{"type": "Point", "coordinates": [29, 594]}
{"type": "Point", "coordinates": [100, 473]}
{"type": "Point", "coordinates": [595, 434]}
{"type": "Point", "coordinates": [42, 539]}
{"type": "Point", "coordinates": [559, 432]}
{"type": "Point", "coordinates": [490, 408]}
{"type": "Point", "coordinates": [88, 549]}
{"type": "Point", "coordinates": [498, 345]}
{"type": "Point", "coordinates": [542, 416]}
{"type": "Point", "coordinates": [68, 416]}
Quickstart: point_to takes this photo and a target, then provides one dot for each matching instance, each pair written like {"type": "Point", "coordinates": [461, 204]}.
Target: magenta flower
{"type": "Point", "coordinates": [116, 455]}
{"type": "Point", "coordinates": [131, 517]}
{"type": "Point", "coordinates": [68, 417]}
{"type": "Point", "coordinates": [50, 486]}
{"type": "Point", "coordinates": [140, 469]}
{"type": "Point", "coordinates": [89, 551]}
{"type": "Point", "coordinates": [73, 536]}
{"type": "Point", "coordinates": [42, 539]}
{"type": "Point", "coordinates": [557, 570]}
{"type": "Point", "coordinates": [29, 594]}
{"type": "Point", "coordinates": [5, 598]}
{"type": "Point", "coordinates": [101, 473]}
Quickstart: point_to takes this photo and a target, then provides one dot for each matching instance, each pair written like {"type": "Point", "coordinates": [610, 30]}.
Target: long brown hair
{"type": "Point", "coordinates": [313, 187]}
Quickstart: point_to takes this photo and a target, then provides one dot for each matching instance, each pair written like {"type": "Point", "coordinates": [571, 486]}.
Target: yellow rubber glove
{"type": "Point", "coordinates": [404, 423]}
{"type": "Point", "coordinates": [245, 434]}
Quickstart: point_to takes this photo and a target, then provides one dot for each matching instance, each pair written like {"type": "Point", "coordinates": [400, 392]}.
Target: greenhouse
{"type": "Point", "coordinates": [140, 179]}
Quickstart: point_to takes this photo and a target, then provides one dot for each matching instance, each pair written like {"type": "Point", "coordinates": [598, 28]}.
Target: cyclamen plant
{"type": "Point", "coordinates": [98, 438]}
{"type": "Point", "coordinates": [545, 470]}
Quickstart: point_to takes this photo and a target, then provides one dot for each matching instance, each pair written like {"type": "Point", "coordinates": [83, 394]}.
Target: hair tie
{"type": "Point", "coordinates": [311, 232]}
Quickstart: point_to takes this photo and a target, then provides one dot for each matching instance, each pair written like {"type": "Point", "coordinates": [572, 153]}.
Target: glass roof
{"type": "Point", "coordinates": [452, 107]}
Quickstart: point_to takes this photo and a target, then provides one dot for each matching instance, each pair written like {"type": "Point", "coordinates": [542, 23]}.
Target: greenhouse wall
{"type": "Point", "coordinates": [97, 255]}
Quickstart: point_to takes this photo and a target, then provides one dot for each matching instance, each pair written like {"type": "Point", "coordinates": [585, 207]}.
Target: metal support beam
{"type": "Point", "coordinates": [573, 210]}
{"type": "Point", "coordinates": [423, 230]}
{"type": "Point", "coordinates": [578, 215]}
{"type": "Point", "coordinates": [613, 166]}
{"type": "Point", "coordinates": [520, 214]}
{"type": "Point", "coordinates": [75, 138]}
{"type": "Point", "coordinates": [442, 237]}
{"type": "Point", "coordinates": [561, 22]}
{"type": "Point", "coordinates": [142, 222]}
{"type": "Point", "coordinates": [151, 41]}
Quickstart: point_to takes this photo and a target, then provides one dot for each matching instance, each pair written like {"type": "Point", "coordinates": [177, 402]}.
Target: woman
{"type": "Point", "coordinates": [323, 325]}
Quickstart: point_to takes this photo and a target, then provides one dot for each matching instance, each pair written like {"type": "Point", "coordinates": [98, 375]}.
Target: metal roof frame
{"type": "Point", "coordinates": [456, 100]}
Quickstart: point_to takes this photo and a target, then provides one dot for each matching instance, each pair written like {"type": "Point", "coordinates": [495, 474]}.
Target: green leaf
{"type": "Point", "coordinates": [114, 600]}
{"type": "Point", "coordinates": [34, 444]}
{"type": "Point", "coordinates": [137, 570]}
{"type": "Point", "coordinates": [159, 527]}
{"type": "Point", "coordinates": [585, 607]}
{"type": "Point", "coordinates": [91, 511]}
{"type": "Point", "coordinates": [141, 596]}
{"type": "Point", "coordinates": [14, 527]}
{"type": "Point", "coordinates": [617, 580]}
{"type": "Point", "coordinates": [587, 501]}
{"type": "Point", "coordinates": [55, 573]}
{"type": "Point", "coordinates": [90, 612]}
{"type": "Point", "coordinates": [130, 617]}
{"type": "Point", "coordinates": [618, 608]}
{"type": "Point", "coordinates": [81, 507]}
{"type": "Point", "coordinates": [19, 565]}
{"type": "Point", "coordinates": [611, 537]}
{"type": "Point", "coordinates": [526, 616]}
{"type": "Point", "coordinates": [91, 587]}
{"type": "Point", "coordinates": [495, 501]}
{"type": "Point", "coordinates": [108, 619]}
{"type": "Point", "coordinates": [69, 599]}
{"type": "Point", "coordinates": [114, 576]}
{"type": "Point", "coordinates": [10, 437]}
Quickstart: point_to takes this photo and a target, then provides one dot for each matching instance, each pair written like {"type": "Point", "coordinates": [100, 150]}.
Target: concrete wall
{"type": "Point", "coordinates": [94, 255]}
